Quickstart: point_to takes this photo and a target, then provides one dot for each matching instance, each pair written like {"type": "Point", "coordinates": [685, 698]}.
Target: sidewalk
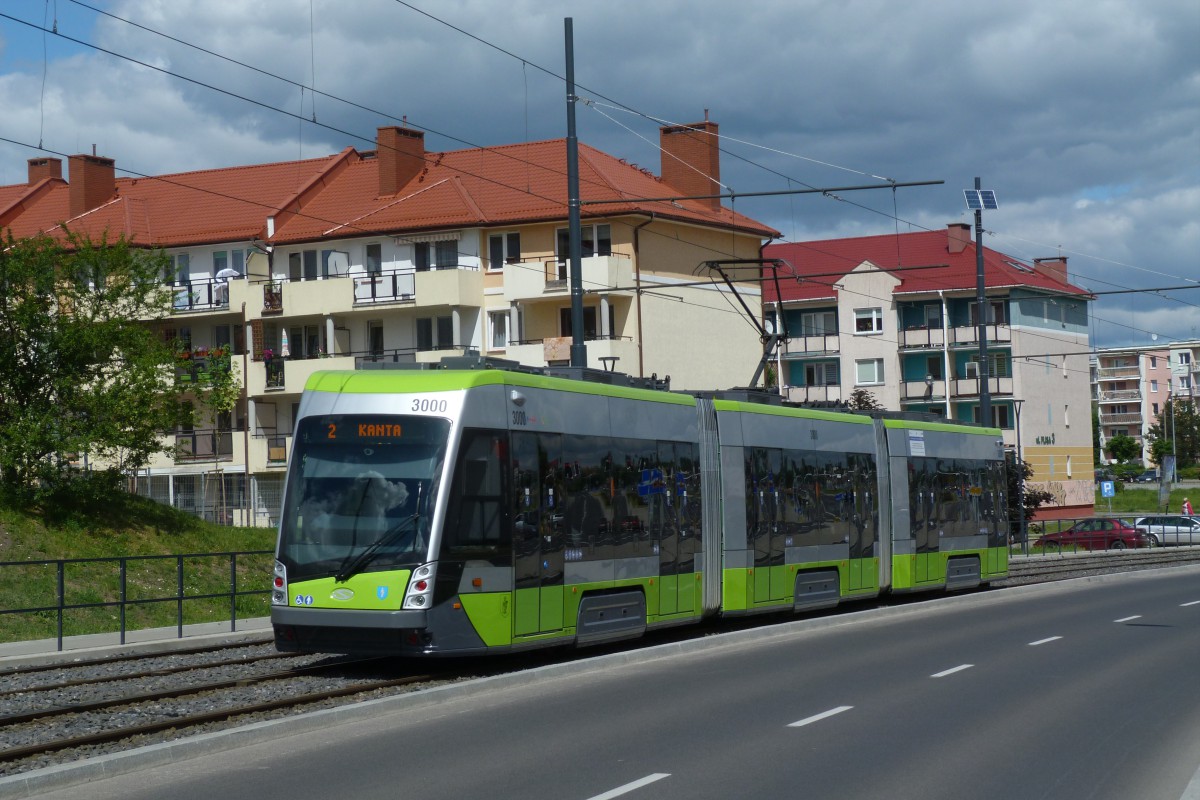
{"type": "Point", "coordinates": [151, 640]}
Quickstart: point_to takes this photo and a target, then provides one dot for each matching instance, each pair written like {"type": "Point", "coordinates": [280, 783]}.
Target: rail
{"type": "Point", "coordinates": [92, 585]}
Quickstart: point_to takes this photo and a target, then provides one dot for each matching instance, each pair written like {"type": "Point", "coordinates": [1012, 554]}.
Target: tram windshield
{"type": "Point", "coordinates": [360, 493]}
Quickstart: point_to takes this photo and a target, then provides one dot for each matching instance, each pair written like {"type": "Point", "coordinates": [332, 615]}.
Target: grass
{"type": "Point", "coordinates": [152, 538]}
{"type": "Point", "coordinates": [1136, 502]}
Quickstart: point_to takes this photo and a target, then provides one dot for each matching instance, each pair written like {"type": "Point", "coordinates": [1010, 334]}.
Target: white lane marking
{"type": "Point", "coordinates": [629, 787]}
{"type": "Point", "coordinates": [1044, 641]}
{"type": "Point", "coordinates": [1193, 603]}
{"type": "Point", "coordinates": [951, 671]}
{"type": "Point", "coordinates": [1128, 619]}
{"type": "Point", "coordinates": [819, 717]}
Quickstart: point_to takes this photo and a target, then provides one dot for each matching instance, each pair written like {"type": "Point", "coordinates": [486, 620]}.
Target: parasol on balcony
{"type": "Point", "coordinates": [283, 345]}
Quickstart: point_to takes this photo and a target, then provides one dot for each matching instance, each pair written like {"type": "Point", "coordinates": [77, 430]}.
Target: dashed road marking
{"type": "Point", "coordinates": [1045, 641]}
{"type": "Point", "coordinates": [629, 787]}
{"type": "Point", "coordinates": [951, 671]}
{"type": "Point", "coordinates": [819, 717]}
{"type": "Point", "coordinates": [1128, 619]}
{"type": "Point", "coordinates": [1193, 603]}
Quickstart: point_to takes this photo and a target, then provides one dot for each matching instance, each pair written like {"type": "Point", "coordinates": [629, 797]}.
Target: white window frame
{"type": "Point", "coordinates": [874, 365]}
{"type": "Point", "coordinates": [825, 373]}
{"type": "Point", "coordinates": [507, 242]}
{"type": "Point", "coordinates": [498, 325]}
{"type": "Point", "coordinates": [874, 318]}
{"type": "Point", "coordinates": [818, 323]}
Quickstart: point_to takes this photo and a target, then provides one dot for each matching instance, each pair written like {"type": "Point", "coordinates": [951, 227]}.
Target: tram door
{"type": "Point", "coordinates": [537, 534]}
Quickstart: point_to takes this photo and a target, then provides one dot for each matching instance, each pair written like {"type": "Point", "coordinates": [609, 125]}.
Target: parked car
{"type": "Point", "coordinates": [1170, 529]}
{"type": "Point", "coordinates": [1149, 476]}
{"type": "Point", "coordinates": [1104, 474]}
{"type": "Point", "coordinates": [1096, 533]}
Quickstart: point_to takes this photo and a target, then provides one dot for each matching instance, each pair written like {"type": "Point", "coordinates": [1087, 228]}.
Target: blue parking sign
{"type": "Point", "coordinates": [1107, 489]}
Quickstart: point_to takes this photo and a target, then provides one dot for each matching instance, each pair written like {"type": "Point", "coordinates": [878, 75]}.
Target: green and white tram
{"type": "Point", "coordinates": [470, 511]}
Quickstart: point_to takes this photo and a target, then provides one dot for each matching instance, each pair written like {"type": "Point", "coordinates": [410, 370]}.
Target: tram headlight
{"type": "Point", "coordinates": [420, 588]}
{"type": "Point", "coordinates": [279, 591]}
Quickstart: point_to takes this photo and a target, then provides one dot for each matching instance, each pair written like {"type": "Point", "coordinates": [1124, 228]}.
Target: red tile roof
{"type": "Point", "coordinates": [338, 196]}
{"type": "Point", "coordinates": [815, 266]}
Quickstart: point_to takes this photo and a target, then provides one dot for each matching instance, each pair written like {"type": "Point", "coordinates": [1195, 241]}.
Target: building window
{"type": "Point", "coordinates": [177, 269]}
{"type": "Point", "coordinates": [1154, 386]}
{"type": "Point", "coordinates": [435, 255]}
{"type": "Point", "coordinates": [594, 240]}
{"type": "Point", "coordinates": [1155, 405]}
{"type": "Point", "coordinates": [1185, 358]}
{"type": "Point", "coordinates": [589, 321]}
{"type": "Point", "coordinates": [375, 337]}
{"type": "Point", "coordinates": [997, 312]}
{"type": "Point", "coordinates": [374, 260]}
{"type": "Point", "coordinates": [1153, 361]}
{"type": "Point", "coordinates": [868, 371]}
{"type": "Point", "coordinates": [997, 366]}
{"type": "Point", "coordinates": [822, 374]}
{"type": "Point", "coordinates": [498, 329]}
{"type": "Point", "coordinates": [818, 323]}
{"type": "Point", "coordinates": [868, 320]}
{"type": "Point", "coordinates": [435, 333]}
{"type": "Point", "coordinates": [503, 248]}
{"type": "Point", "coordinates": [1000, 417]}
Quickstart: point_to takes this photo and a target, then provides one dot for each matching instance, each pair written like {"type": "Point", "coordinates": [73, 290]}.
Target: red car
{"type": "Point", "coordinates": [1096, 533]}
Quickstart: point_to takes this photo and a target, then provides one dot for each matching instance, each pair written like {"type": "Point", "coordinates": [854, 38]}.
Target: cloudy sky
{"type": "Point", "coordinates": [1082, 115]}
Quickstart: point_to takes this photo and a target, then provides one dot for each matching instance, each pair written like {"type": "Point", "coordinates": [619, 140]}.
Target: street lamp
{"type": "Point", "coordinates": [977, 200]}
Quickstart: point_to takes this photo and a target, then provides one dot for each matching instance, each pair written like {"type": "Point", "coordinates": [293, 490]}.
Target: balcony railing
{"type": "Point", "coordinates": [816, 343]}
{"type": "Point", "coordinates": [1120, 419]}
{"type": "Point", "coordinates": [203, 445]}
{"type": "Point", "coordinates": [384, 287]}
{"type": "Point", "coordinates": [998, 333]}
{"type": "Point", "coordinates": [203, 294]}
{"type": "Point", "coordinates": [920, 390]}
{"type": "Point", "coordinates": [922, 338]}
{"type": "Point", "coordinates": [969, 387]}
{"type": "Point", "coordinates": [1107, 373]}
{"type": "Point", "coordinates": [813, 394]}
{"type": "Point", "coordinates": [1121, 394]}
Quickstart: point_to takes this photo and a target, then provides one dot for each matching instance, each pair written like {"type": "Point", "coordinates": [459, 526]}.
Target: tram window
{"type": "Point", "coordinates": [475, 524]}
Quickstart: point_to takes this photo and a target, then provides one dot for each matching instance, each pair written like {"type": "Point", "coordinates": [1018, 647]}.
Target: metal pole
{"type": "Point", "coordinates": [1023, 526]}
{"type": "Point", "coordinates": [578, 348]}
{"type": "Point", "coordinates": [1175, 465]}
{"type": "Point", "coordinates": [985, 398]}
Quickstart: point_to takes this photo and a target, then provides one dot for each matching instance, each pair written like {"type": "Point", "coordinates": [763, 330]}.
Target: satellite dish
{"type": "Point", "coordinates": [1154, 337]}
{"type": "Point", "coordinates": [769, 326]}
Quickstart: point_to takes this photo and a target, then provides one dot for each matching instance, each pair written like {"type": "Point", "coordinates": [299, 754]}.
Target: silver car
{"type": "Point", "coordinates": [1170, 529]}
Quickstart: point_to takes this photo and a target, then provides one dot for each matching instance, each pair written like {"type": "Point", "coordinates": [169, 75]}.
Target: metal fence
{"type": "Point", "coordinates": [97, 595]}
{"type": "Point", "coordinates": [220, 497]}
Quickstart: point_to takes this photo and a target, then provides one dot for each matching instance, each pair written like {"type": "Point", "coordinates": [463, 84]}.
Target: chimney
{"type": "Point", "coordinates": [958, 236]}
{"type": "Point", "coordinates": [1054, 267]}
{"type": "Point", "coordinates": [691, 159]}
{"type": "Point", "coordinates": [93, 182]}
{"type": "Point", "coordinates": [41, 168]}
{"type": "Point", "coordinates": [401, 156]}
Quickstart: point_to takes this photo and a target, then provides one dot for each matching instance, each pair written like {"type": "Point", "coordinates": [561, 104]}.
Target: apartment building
{"type": "Point", "coordinates": [402, 255]}
{"type": "Point", "coordinates": [897, 315]}
{"type": "Point", "coordinates": [1132, 386]}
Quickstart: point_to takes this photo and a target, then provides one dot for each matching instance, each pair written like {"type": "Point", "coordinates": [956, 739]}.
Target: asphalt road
{"type": "Point", "coordinates": [1088, 689]}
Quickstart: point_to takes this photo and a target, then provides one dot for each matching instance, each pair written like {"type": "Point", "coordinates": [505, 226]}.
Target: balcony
{"type": "Point", "coordinates": [384, 287]}
{"type": "Point", "coordinates": [269, 448]}
{"type": "Point", "coordinates": [919, 390]}
{"type": "Point", "coordinates": [1110, 373]}
{"type": "Point", "coordinates": [204, 294]}
{"type": "Point", "coordinates": [1121, 419]}
{"type": "Point", "coordinates": [997, 333]}
{"type": "Point", "coordinates": [1120, 395]}
{"type": "Point", "coordinates": [288, 376]}
{"type": "Point", "coordinates": [969, 387]}
{"type": "Point", "coordinates": [813, 394]}
{"type": "Point", "coordinates": [923, 338]}
{"type": "Point", "coordinates": [525, 281]}
{"type": "Point", "coordinates": [812, 345]}
{"type": "Point", "coordinates": [449, 287]}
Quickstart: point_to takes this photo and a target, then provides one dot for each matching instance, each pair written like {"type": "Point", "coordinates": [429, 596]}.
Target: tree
{"type": "Point", "coordinates": [1122, 448]}
{"type": "Point", "coordinates": [1178, 428]}
{"type": "Point", "coordinates": [863, 400]}
{"type": "Point", "coordinates": [81, 370]}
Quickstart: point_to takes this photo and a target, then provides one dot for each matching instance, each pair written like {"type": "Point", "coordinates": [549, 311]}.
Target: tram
{"type": "Point", "coordinates": [469, 510]}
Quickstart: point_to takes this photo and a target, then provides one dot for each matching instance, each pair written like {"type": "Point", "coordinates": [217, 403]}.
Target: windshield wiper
{"type": "Point", "coordinates": [356, 564]}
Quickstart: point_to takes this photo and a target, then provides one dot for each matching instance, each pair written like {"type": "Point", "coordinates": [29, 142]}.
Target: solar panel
{"type": "Point", "coordinates": [979, 199]}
